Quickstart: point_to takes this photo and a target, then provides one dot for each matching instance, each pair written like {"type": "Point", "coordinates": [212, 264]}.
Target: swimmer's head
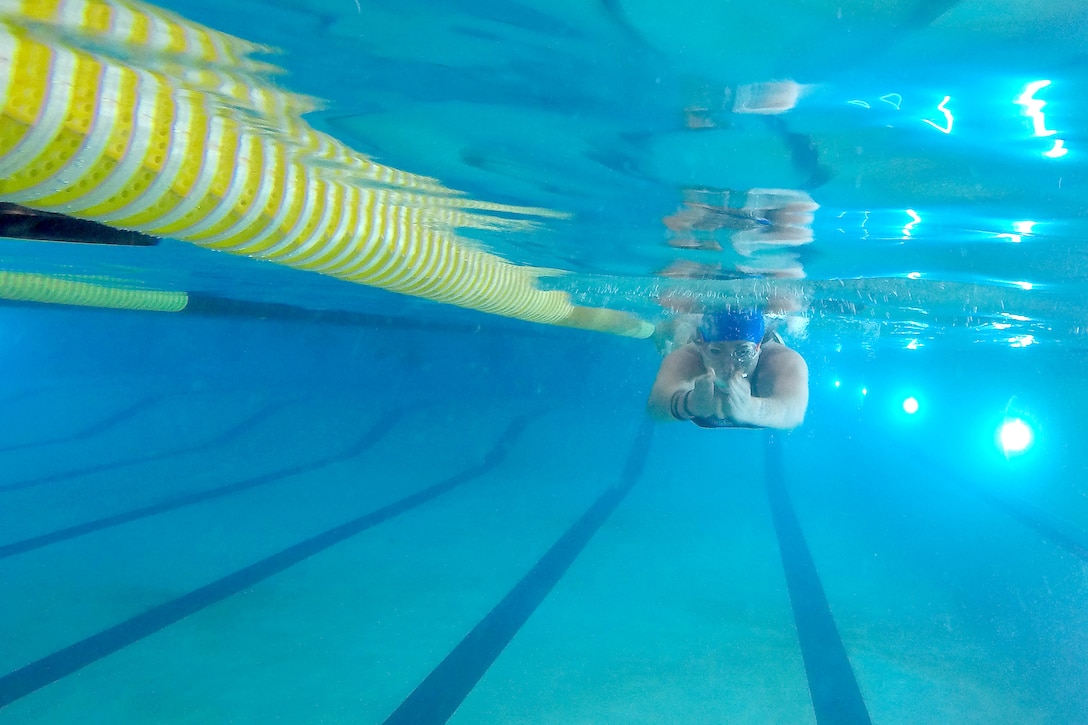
{"type": "Point", "coordinates": [729, 341]}
{"type": "Point", "coordinates": [732, 325]}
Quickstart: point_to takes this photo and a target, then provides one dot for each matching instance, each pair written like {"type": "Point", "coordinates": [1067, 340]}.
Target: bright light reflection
{"type": "Point", "coordinates": [1014, 238]}
{"type": "Point", "coordinates": [1033, 108]}
{"type": "Point", "coordinates": [1018, 318]}
{"type": "Point", "coordinates": [893, 99]}
{"type": "Point", "coordinates": [914, 220]}
{"type": "Point", "coordinates": [1023, 227]}
{"type": "Point", "coordinates": [1024, 285]}
{"type": "Point", "coordinates": [913, 345]}
{"type": "Point", "coordinates": [947, 117]}
{"type": "Point", "coordinates": [910, 406]}
{"type": "Point", "coordinates": [1015, 436]}
{"type": "Point", "coordinates": [1057, 150]}
{"type": "Point", "coordinates": [914, 275]}
{"type": "Point", "coordinates": [864, 391]}
{"type": "Point", "coordinates": [1023, 340]}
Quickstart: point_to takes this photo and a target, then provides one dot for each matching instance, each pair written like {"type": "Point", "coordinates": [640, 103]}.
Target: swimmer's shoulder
{"type": "Point", "coordinates": [776, 355]}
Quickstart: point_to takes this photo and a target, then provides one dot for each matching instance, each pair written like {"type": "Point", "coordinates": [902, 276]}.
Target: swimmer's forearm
{"type": "Point", "coordinates": [670, 407]}
{"type": "Point", "coordinates": [777, 413]}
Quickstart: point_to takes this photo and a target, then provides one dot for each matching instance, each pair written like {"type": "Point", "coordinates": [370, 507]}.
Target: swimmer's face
{"type": "Point", "coordinates": [728, 357]}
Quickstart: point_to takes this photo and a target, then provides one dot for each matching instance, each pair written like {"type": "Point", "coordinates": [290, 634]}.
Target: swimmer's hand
{"type": "Point", "coordinates": [738, 403]}
{"type": "Point", "coordinates": [704, 402]}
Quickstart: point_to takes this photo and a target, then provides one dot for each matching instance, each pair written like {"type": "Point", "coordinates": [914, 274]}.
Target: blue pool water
{"type": "Point", "coordinates": [313, 501]}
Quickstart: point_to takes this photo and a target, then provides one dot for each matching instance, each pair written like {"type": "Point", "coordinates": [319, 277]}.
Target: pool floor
{"type": "Point", "coordinates": [247, 556]}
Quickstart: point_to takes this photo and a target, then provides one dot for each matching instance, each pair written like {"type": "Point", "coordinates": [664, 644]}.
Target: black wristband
{"type": "Point", "coordinates": [678, 406]}
{"type": "Point", "coordinates": [674, 411]}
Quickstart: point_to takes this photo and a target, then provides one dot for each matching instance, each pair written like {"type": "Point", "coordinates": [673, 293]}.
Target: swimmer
{"type": "Point", "coordinates": [733, 375]}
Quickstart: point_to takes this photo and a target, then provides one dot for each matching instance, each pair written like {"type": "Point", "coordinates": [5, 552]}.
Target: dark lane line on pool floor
{"type": "Point", "coordinates": [372, 436]}
{"type": "Point", "coordinates": [1043, 523]}
{"type": "Point", "coordinates": [36, 675]}
{"type": "Point", "coordinates": [92, 430]}
{"type": "Point", "coordinates": [446, 687]}
{"type": "Point", "coordinates": [228, 436]}
{"type": "Point", "coordinates": [1050, 527]}
{"type": "Point", "coordinates": [836, 697]}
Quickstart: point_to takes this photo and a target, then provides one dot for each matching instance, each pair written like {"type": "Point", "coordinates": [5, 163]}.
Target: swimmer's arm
{"type": "Point", "coordinates": [676, 376]}
{"type": "Point", "coordinates": [785, 401]}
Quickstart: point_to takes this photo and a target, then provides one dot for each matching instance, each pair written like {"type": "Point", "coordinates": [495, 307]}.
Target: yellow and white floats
{"type": "Point", "coordinates": [128, 115]}
{"type": "Point", "coordinates": [48, 289]}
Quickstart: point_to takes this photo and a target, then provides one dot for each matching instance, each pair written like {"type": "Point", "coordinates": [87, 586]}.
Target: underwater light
{"type": "Point", "coordinates": [1016, 433]}
{"type": "Point", "coordinates": [1015, 436]}
{"type": "Point", "coordinates": [910, 406]}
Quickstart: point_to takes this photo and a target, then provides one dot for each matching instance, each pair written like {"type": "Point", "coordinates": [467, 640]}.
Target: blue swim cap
{"type": "Point", "coordinates": [732, 325]}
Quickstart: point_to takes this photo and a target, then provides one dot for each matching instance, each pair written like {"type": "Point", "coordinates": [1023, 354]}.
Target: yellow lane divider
{"type": "Point", "coordinates": [30, 287]}
{"type": "Point", "coordinates": [125, 114]}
